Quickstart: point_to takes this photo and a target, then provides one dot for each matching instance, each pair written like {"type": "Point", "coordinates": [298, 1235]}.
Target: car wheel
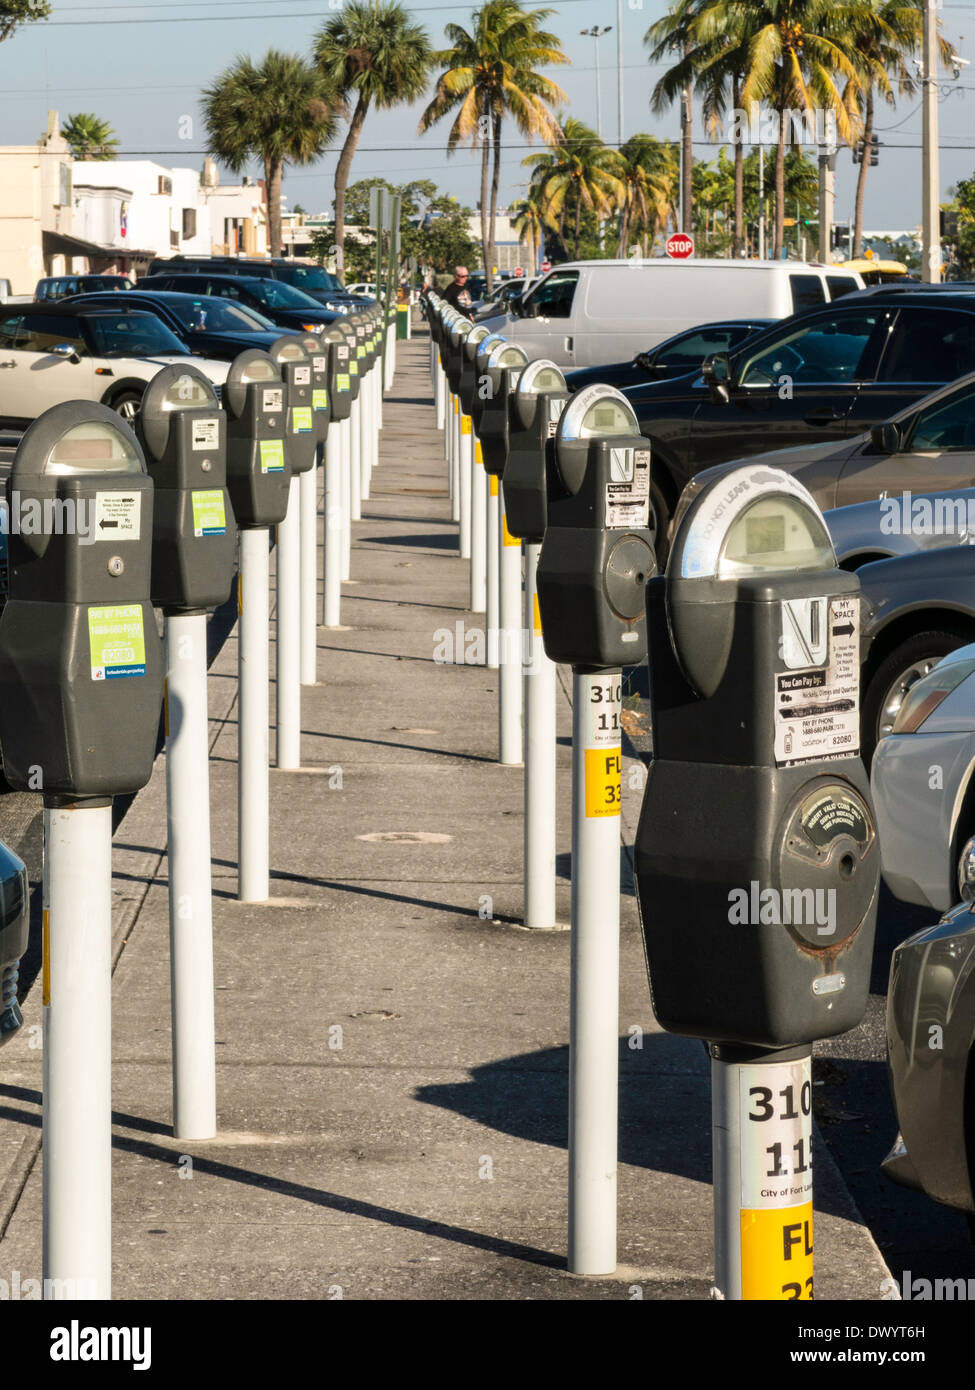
{"type": "Point", "coordinates": [893, 678]}
{"type": "Point", "coordinates": [127, 404]}
{"type": "Point", "coordinates": [659, 525]}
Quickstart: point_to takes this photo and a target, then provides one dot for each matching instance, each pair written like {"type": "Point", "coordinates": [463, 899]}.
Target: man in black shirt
{"type": "Point", "coordinates": [457, 295]}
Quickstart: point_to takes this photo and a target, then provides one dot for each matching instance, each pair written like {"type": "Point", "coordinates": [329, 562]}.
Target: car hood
{"type": "Point", "coordinates": [209, 366]}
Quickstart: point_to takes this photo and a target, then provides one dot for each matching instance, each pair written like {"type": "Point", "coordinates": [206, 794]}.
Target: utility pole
{"type": "Point", "coordinates": [930, 229]}
{"type": "Point", "coordinates": [761, 203]}
{"type": "Point", "coordinates": [596, 33]}
{"type": "Point", "coordinates": [619, 73]}
{"type": "Point", "coordinates": [827, 189]}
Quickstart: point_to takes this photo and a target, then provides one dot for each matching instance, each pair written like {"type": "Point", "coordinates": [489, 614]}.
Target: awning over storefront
{"type": "Point", "coordinates": [57, 244]}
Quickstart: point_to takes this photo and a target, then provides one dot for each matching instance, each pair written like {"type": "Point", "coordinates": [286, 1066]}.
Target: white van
{"type": "Point", "coordinates": [587, 313]}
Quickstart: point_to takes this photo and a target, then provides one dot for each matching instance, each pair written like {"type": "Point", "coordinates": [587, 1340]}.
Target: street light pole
{"type": "Point", "coordinates": [596, 33]}
{"type": "Point", "coordinates": [930, 228]}
{"type": "Point", "coordinates": [619, 73]}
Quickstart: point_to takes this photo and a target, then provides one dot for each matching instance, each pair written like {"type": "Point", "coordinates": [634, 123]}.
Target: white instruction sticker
{"type": "Point", "coordinates": [817, 710]}
{"type": "Point", "coordinates": [628, 490]}
{"type": "Point", "coordinates": [272, 399]}
{"type": "Point", "coordinates": [302, 376]}
{"type": "Point", "coordinates": [775, 1124]}
{"type": "Point", "coordinates": [206, 435]}
{"type": "Point", "coordinates": [118, 516]}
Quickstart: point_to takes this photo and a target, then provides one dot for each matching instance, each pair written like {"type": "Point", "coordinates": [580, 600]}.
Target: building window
{"type": "Point", "coordinates": [165, 185]}
{"type": "Point", "coordinates": [189, 223]}
{"type": "Point", "coordinates": [64, 197]}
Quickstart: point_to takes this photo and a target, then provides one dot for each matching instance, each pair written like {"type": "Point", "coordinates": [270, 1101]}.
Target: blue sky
{"type": "Point", "coordinates": [141, 66]}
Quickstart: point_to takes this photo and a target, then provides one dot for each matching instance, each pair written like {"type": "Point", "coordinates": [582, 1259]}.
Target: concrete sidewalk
{"type": "Point", "coordinates": [392, 1046]}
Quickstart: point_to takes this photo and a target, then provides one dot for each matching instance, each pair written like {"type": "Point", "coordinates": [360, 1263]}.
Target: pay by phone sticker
{"type": "Point", "coordinates": [272, 400]}
{"type": "Point", "coordinates": [118, 516]}
{"type": "Point", "coordinates": [209, 512]}
{"type": "Point", "coordinates": [817, 711]}
{"type": "Point", "coordinates": [319, 399]}
{"type": "Point", "coordinates": [628, 491]}
{"type": "Point", "coordinates": [343, 382]}
{"type": "Point", "coordinates": [353, 367]}
{"type": "Point", "coordinates": [301, 421]}
{"type": "Point", "coordinates": [272, 455]}
{"type": "Point", "coordinates": [206, 435]}
{"type": "Point", "coordinates": [116, 642]}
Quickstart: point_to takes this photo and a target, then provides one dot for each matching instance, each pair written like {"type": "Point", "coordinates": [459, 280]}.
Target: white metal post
{"type": "Point", "coordinates": [453, 461]}
{"type": "Point", "coordinates": [540, 771]}
{"type": "Point", "coordinates": [346, 434]}
{"type": "Point", "coordinates": [466, 465]}
{"type": "Point", "coordinates": [253, 854]}
{"type": "Point", "coordinates": [438, 386]}
{"type": "Point", "coordinates": [595, 971]}
{"type": "Point", "coordinates": [761, 1134]}
{"type": "Point", "coordinates": [355, 459]}
{"type": "Point", "coordinates": [479, 489]}
{"type": "Point", "coordinates": [510, 646]}
{"type": "Point", "coordinates": [287, 634]}
{"type": "Point", "coordinates": [190, 886]}
{"type": "Point", "coordinates": [308, 508]}
{"type": "Point", "coordinates": [493, 569]}
{"type": "Point", "coordinates": [365, 435]}
{"type": "Point", "coordinates": [77, 997]}
{"type": "Point", "coordinates": [333, 528]}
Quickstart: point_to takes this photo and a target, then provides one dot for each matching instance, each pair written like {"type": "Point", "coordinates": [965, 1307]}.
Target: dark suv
{"type": "Point", "coordinates": [292, 310]}
{"type": "Point", "coordinates": [311, 279]}
{"type": "Point", "coordinates": [818, 377]}
{"type": "Point", "coordinates": [61, 286]}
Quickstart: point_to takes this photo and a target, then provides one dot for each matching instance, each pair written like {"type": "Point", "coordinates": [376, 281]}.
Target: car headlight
{"type": "Point", "coordinates": [313, 327]}
{"type": "Point", "coordinates": [927, 694]}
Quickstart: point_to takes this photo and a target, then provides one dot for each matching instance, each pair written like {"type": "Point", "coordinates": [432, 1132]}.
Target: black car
{"type": "Point", "coordinates": [292, 310]}
{"type": "Point", "coordinates": [675, 356]}
{"type": "Point", "coordinates": [818, 377]}
{"type": "Point", "coordinates": [312, 279]}
{"type": "Point", "coordinates": [65, 286]}
{"type": "Point", "coordinates": [213, 327]}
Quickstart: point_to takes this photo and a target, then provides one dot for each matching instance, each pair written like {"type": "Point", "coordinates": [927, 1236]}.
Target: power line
{"type": "Point", "coordinates": [234, 18]}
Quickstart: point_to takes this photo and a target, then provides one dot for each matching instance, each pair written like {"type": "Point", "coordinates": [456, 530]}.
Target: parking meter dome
{"type": "Point", "coordinates": [77, 438]}
{"type": "Point", "coordinates": [471, 342]}
{"type": "Point", "coordinates": [538, 377]}
{"type": "Point", "coordinates": [597, 411]}
{"type": "Point", "coordinates": [289, 348]}
{"type": "Point", "coordinates": [172, 390]}
{"type": "Point", "coordinates": [249, 368]}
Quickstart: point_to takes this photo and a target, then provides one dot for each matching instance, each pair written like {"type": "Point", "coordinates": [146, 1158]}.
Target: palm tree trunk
{"type": "Point", "coordinates": [495, 177]}
{"type": "Point", "coordinates": [857, 250]}
{"type": "Point", "coordinates": [780, 188]}
{"type": "Point", "coordinates": [342, 171]}
{"type": "Point", "coordinates": [575, 253]}
{"type": "Point", "coordinates": [687, 131]}
{"type": "Point", "coordinates": [485, 215]}
{"type": "Point", "coordinates": [272, 187]}
{"type": "Point", "coordinates": [739, 242]}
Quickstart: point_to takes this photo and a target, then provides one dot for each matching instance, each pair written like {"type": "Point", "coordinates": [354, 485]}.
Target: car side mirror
{"type": "Point", "coordinates": [716, 372]}
{"type": "Point", "coordinates": [67, 351]}
{"type": "Point", "coordinates": [886, 438]}
{"type": "Point", "coordinates": [529, 310]}
{"type": "Point", "coordinates": [644, 360]}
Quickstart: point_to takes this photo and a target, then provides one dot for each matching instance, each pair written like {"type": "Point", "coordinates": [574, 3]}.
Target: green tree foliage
{"type": "Point", "coordinates": [89, 137]}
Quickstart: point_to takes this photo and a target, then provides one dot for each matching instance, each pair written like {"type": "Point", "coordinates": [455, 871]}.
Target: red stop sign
{"type": "Point", "coordinates": [546, 265]}
{"type": "Point", "coordinates": [680, 246]}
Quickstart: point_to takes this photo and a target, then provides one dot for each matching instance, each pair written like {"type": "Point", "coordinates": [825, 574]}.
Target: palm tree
{"type": "Point", "coordinates": [490, 73]}
{"type": "Point", "coordinates": [89, 137]}
{"type": "Point", "coordinates": [675, 34]}
{"type": "Point", "coordinates": [375, 54]}
{"type": "Point", "coordinates": [528, 221]}
{"type": "Point", "coordinates": [281, 112]}
{"type": "Point", "coordinates": [13, 13]}
{"type": "Point", "coordinates": [650, 174]}
{"type": "Point", "coordinates": [580, 172]}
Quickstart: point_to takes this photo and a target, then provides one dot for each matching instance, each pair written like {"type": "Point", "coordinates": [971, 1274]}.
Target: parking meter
{"type": "Point", "coordinates": [258, 467]}
{"type": "Point", "coordinates": [318, 350]}
{"type": "Point", "coordinates": [183, 434]}
{"type": "Point", "coordinates": [597, 553]}
{"type": "Point", "coordinates": [483, 352]}
{"type": "Point", "coordinates": [80, 657]}
{"type": "Point", "coordinates": [340, 381]}
{"type": "Point", "coordinates": [14, 923]}
{"type": "Point", "coordinates": [458, 331]}
{"type": "Point", "coordinates": [467, 385]}
{"type": "Point", "coordinates": [504, 366]}
{"type": "Point", "coordinates": [757, 861]}
{"type": "Point", "coordinates": [534, 410]}
{"type": "Point", "coordinates": [347, 328]}
{"type": "Point", "coordinates": [296, 372]}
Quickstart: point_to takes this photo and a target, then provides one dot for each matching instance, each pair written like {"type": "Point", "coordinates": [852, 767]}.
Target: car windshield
{"type": "Point", "coordinates": [277, 295]}
{"type": "Point", "coordinates": [211, 315]}
{"type": "Point", "coordinates": [132, 335]}
{"type": "Point", "coordinates": [307, 277]}
{"type": "Point", "coordinates": [89, 284]}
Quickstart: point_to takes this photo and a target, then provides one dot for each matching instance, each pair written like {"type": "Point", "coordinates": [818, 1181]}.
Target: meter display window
{"type": "Point", "coordinates": [92, 448]}
{"type": "Point", "coordinates": [186, 392]}
{"type": "Point", "coordinates": [775, 534]}
{"type": "Point", "coordinates": [542, 378]}
{"type": "Point", "coordinates": [554, 296]}
{"type": "Point", "coordinates": [608, 414]}
{"type": "Point", "coordinates": [259, 371]}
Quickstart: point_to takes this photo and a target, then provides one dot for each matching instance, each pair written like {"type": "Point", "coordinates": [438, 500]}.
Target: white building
{"type": "Point", "coordinates": [238, 215]}
{"type": "Point", "coordinates": [37, 234]}
{"type": "Point", "coordinates": [138, 209]}
{"type": "Point", "coordinates": [509, 250]}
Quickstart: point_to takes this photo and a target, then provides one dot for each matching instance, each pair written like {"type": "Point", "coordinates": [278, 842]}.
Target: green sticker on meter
{"type": "Point", "coordinates": [319, 400]}
{"type": "Point", "coordinates": [301, 422]}
{"type": "Point", "coordinates": [209, 512]}
{"type": "Point", "coordinates": [272, 455]}
{"type": "Point", "coordinates": [354, 367]}
{"type": "Point", "coordinates": [342, 382]}
{"type": "Point", "coordinates": [116, 642]}
{"type": "Point", "coordinates": [360, 350]}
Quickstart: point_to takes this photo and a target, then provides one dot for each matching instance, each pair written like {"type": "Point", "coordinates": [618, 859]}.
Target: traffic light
{"type": "Point", "coordinates": [837, 236]}
{"type": "Point", "coordinates": [874, 150]}
{"type": "Point", "coordinates": [858, 152]}
{"type": "Point", "coordinates": [948, 224]}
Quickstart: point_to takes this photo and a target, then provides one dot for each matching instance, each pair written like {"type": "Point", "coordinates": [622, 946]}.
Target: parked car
{"type": "Point", "coordinates": [7, 295]}
{"type": "Point", "coordinates": [364, 288]}
{"type": "Point", "coordinates": [63, 286]}
{"type": "Point", "coordinates": [923, 783]}
{"type": "Point", "coordinates": [292, 310]}
{"type": "Point", "coordinates": [824, 377]}
{"type": "Point", "coordinates": [888, 527]}
{"type": "Point", "coordinates": [212, 327]}
{"type": "Point", "coordinates": [675, 356]}
{"type": "Point", "coordinates": [930, 1032]}
{"type": "Point", "coordinates": [50, 353]}
{"type": "Point", "coordinates": [312, 279]}
{"type": "Point", "coordinates": [585, 313]}
{"type": "Point", "coordinates": [501, 299]}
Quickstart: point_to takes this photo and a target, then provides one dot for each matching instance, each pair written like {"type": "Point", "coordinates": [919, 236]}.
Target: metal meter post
{"type": "Point", "coordinates": [492, 502]}
{"type": "Point", "coordinates": [363, 357]}
{"type": "Point", "coordinates": [355, 425]}
{"type": "Point", "coordinates": [81, 676]}
{"type": "Point", "coordinates": [334, 508]}
{"type": "Point", "coordinates": [258, 479]}
{"type": "Point", "coordinates": [318, 351]}
{"type": "Point", "coordinates": [595, 559]}
{"type": "Point", "coordinates": [534, 410]}
{"type": "Point", "coordinates": [182, 431]}
{"type": "Point", "coordinates": [464, 442]}
{"type": "Point", "coordinates": [300, 446]}
{"type": "Point", "coordinates": [343, 400]}
{"type": "Point", "coordinates": [467, 390]}
{"type": "Point", "coordinates": [773, 873]}
{"type": "Point", "coordinates": [505, 364]}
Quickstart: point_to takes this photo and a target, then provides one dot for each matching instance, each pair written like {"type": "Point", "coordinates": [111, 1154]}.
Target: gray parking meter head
{"type": "Point", "coordinates": [467, 389]}
{"type": "Point", "coordinates": [14, 922]}
{"type": "Point", "coordinates": [502, 372]}
{"type": "Point", "coordinates": [258, 469]}
{"type": "Point", "coordinates": [597, 551]}
{"type": "Point", "coordinates": [483, 352]}
{"type": "Point", "coordinates": [183, 433]}
{"type": "Point", "coordinates": [456, 335]}
{"type": "Point", "coordinates": [534, 410]}
{"type": "Point", "coordinates": [80, 659]}
{"type": "Point", "coordinates": [351, 362]}
{"type": "Point", "coordinates": [754, 689]}
{"type": "Point", "coordinates": [292, 357]}
{"type": "Point", "coordinates": [340, 379]}
{"type": "Point", "coordinates": [319, 351]}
